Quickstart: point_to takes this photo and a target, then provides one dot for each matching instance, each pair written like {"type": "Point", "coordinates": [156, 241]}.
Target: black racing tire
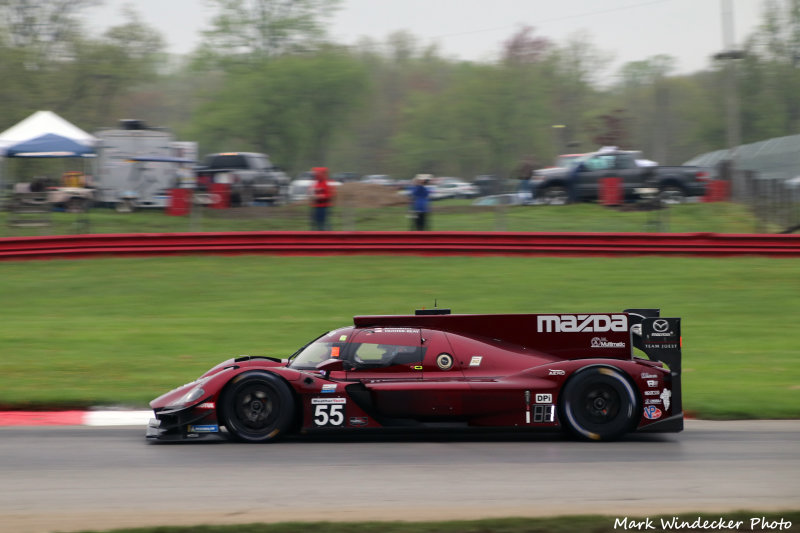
{"type": "Point", "coordinates": [125, 206]}
{"type": "Point", "coordinates": [555, 195]}
{"type": "Point", "coordinates": [672, 195]}
{"type": "Point", "coordinates": [256, 407]}
{"type": "Point", "coordinates": [599, 403]}
{"type": "Point", "coordinates": [76, 205]}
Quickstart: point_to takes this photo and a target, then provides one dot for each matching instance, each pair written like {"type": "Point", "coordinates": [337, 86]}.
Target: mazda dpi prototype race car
{"type": "Point", "coordinates": [598, 376]}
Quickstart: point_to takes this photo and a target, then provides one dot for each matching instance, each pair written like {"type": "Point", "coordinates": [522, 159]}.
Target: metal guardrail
{"type": "Point", "coordinates": [399, 243]}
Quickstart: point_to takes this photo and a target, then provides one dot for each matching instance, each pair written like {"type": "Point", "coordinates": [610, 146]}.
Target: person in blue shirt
{"type": "Point", "coordinates": [420, 202]}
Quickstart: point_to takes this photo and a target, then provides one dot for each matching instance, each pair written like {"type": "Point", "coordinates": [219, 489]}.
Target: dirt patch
{"type": "Point", "coordinates": [369, 195]}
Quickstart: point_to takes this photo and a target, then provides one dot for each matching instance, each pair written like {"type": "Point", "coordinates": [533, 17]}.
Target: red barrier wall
{"type": "Point", "coordinates": [611, 191]}
{"type": "Point", "coordinates": [400, 243]}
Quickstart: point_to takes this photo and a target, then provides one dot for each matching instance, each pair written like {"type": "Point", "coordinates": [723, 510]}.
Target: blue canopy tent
{"type": "Point", "coordinates": [49, 145]}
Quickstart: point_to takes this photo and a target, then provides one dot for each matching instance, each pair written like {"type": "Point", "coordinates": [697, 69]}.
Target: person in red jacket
{"type": "Point", "coordinates": [321, 199]}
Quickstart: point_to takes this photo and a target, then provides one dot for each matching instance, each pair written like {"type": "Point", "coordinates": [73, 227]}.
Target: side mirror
{"type": "Point", "coordinates": [330, 365]}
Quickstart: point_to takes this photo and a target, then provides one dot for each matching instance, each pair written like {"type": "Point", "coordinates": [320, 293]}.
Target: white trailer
{"type": "Point", "coordinates": [137, 165]}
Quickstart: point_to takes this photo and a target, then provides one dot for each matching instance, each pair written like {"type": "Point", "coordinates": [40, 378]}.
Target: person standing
{"type": "Point", "coordinates": [525, 176]}
{"type": "Point", "coordinates": [321, 199]}
{"type": "Point", "coordinates": [420, 201]}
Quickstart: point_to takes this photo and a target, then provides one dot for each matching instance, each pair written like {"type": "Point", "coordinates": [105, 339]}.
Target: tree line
{"type": "Point", "coordinates": [268, 79]}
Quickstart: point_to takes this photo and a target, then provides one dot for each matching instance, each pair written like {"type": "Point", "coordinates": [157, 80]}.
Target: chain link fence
{"type": "Point", "coordinates": [765, 176]}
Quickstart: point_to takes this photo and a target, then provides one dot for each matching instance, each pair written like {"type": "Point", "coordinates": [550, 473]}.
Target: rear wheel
{"type": "Point", "coordinates": [555, 195]}
{"type": "Point", "coordinates": [257, 407]}
{"type": "Point", "coordinates": [76, 205]}
{"type": "Point", "coordinates": [598, 403]}
{"type": "Point", "coordinates": [672, 195]}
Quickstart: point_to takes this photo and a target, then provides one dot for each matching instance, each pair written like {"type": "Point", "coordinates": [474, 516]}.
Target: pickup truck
{"type": "Point", "coordinates": [252, 177]}
{"type": "Point", "coordinates": [674, 184]}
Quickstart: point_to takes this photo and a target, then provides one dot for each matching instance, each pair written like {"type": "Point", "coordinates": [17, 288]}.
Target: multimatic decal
{"type": "Point", "coordinates": [358, 420]}
{"type": "Point", "coordinates": [602, 342]}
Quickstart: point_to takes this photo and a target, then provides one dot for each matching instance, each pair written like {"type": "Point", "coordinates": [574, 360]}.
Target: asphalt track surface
{"type": "Point", "coordinates": [71, 478]}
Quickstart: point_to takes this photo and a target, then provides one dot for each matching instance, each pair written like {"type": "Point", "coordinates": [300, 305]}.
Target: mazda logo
{"type": "Point", "coordinates": [660, 326]}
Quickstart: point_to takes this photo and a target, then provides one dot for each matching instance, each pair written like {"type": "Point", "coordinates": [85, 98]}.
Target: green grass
{"type": "Point", "coordinates": [447, 215]}
{"type": "Point", "coordinates": [122, 331]}
{"type": "Point", "coordinates": [564, 524]}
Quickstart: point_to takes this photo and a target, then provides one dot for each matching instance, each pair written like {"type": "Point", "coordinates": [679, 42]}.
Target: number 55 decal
{"type": "Point", "coordinates": [328, 411]}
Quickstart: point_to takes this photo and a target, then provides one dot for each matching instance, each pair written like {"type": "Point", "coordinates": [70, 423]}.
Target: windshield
{"type": "Point", "coordinates": [326, 346]}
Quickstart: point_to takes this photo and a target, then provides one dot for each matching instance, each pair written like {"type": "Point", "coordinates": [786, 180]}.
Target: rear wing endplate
{"type": "Point", "coordinates": [660, 339]}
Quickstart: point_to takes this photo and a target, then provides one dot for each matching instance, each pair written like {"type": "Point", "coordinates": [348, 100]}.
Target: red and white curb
{"type": "Point", "coordinates": [75, 418]}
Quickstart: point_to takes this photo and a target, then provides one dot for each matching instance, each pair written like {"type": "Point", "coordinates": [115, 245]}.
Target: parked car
{"type": "Point", "coordinates": [300, 189]}
{"type": "Point", "coordinates": [378, 179]}
{"type": "Point", "coordinates": [453, 188]}
{"type": "Point", "coordinates": [674, 184]}
{"type": "Point", "coordinates": [251, 177]}
{"type": "Point", "coordinates": [499, 199]}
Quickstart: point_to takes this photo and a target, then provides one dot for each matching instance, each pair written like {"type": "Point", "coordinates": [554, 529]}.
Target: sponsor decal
{"type": "Point", "coordinates": [666, 395]}
{"type": "Point", "coordinates": [416, 367]}
{"type": "Point", "coordinates": [552, 372]}
{"type": "Point", "coordinates": [358, 420]}
{"type": "Point", "coordinates": [652, 401]}
{"type": "Point", "coordinates": [206, 428]}
{"type": "Point", "coordinates": [329, 387]}
{"type": "Point", "coordinates": [476, 360]}
{"type": "Point", "coordinates": [661, 326]}
{"type": "Point", "coordinates": [602, 342]}
{"type": "Point", "coordinates": [329, 414]}
{"type": "Point", "coordinates": [327, 401]}
{"type": "Point", "coordinates": [662, 345]}
{"type": "Point", "coordinates": [578, 323]}
{"type": "Point", "coordinates": [396, 330]}
{"type": "Point", "coordinates": [651, 412]}
{"type": "Point", "coordinates": [334, 351]}
{"type": "Point", "coordinates": [444, 361]}
{"type": "Point", "coordinates": [651, 393]}
{"type": "Point", "coordinates": [206, 405]}
{"type": "Point", "coordinates": [652, 383]}
{"type": "Point", "coordinates": [544, 398]}
{"type": "Point", "coordinates": [342, 338]}
{"type": "Point", "coordinates": [645, 375]}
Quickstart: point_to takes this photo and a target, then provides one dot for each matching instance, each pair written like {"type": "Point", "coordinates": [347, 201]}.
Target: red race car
{"type": "Point", "coordinates": [597, 376]}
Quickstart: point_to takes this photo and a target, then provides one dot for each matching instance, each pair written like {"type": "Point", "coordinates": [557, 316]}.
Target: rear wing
{"type": "Point", "coordinates": [660, 339]}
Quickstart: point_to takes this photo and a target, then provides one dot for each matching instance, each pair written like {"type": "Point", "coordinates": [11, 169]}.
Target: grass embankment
{"type": "Point", "coordinates": [745, 520]}
{"type": "Point", "coordinates": [447, 215]}
{"type": "Point", "coordinates": [122, 331]}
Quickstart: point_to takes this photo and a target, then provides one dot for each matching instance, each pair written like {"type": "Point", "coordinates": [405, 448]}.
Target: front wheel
{"type": "Point", "coordinates": [598, 403]}
{"type": "Point", "coordinates": [257, 407]}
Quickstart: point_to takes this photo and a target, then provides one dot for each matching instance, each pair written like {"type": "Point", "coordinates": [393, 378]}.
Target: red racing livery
{"type": "Point", "coordinates": [598, 376]}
